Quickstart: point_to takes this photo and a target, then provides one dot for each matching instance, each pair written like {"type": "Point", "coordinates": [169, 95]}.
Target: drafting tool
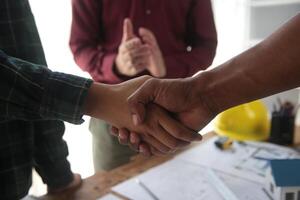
{"type": "Point", "coordinates": [220, 186]}
{"type": "Point", "coordinates": [224, 143]}
{"type": "Point", "coordinates": [138, 181]}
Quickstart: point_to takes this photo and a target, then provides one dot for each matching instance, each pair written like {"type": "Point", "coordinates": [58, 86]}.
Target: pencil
{"type": "Point", "coordinates": [146, 189]}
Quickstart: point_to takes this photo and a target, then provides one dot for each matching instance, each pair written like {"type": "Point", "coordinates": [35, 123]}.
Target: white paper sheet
{"type": "Point", "coordinates": [174, 180]}
{"type": "Point", "coordinates": [241, 160]}
{"type": "Point", "coordinates": [179, 180]}
{"type": "Point", "coordinates": [29, 197]}
{"type": "Point", "coordinates": [109, 197]}
{"type": "Point", "coordinates": [185, 177]}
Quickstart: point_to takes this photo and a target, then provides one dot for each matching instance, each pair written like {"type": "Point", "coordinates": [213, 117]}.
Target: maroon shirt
{"type": "Point", "coordinates": [97, 29]}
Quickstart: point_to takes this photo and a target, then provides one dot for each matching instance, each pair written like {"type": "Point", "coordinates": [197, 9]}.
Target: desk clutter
{"type": "Point", "coordinates": [283, 123]}
{"type": "Point", "coordinates": [207, 172]}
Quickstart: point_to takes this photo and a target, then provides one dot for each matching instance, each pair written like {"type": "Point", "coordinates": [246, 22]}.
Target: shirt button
{"type": "Point", "coordinates": [148, 11]}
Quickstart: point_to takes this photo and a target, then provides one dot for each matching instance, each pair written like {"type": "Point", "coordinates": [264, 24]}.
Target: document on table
{"type": "Point", "coordinates": [241, 169]}
{"type": "Point", "coordinates": [247, 160]}
{"type": "Point", "coordinates": [171, 180]}
{"type": "Point", "coordinates": [179, 180]}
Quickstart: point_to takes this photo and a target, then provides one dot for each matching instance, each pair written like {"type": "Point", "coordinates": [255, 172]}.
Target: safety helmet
{"type": "Point", "coordinates": [244, 122]}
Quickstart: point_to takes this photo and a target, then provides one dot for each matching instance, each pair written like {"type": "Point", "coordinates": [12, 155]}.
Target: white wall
{"type": "Point", "coordinates": [230, 19]}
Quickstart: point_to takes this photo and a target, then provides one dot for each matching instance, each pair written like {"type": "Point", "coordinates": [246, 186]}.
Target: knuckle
{"type": "Point", "coordinates": [165, 149]}
{"type": "Point", "coordinates": [178, 133]}
{"type": "Point", "coordinates": [131, 54]}
{"type": "Point", "coordinates": [174, 144]}
{"type": "Point", "coordinates": [130, 63]}
{"type": "Point", "coordinates": [131, 101]}
{"type": "Point", "coordinates": [146, 77]}
{"type": "Point", "coordinates": [155, 152]}
{"type": "Point", "coordinates": [183, 144]}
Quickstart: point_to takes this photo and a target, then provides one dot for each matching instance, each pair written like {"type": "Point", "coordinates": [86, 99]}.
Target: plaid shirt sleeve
{"type": "Point", "coordinates": [33, 92]}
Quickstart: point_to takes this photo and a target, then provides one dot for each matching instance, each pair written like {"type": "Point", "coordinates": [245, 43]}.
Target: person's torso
{"type": "Point", "coordinates": [18, 33]}
{"type": "Point", "coordinates": [167, 20]}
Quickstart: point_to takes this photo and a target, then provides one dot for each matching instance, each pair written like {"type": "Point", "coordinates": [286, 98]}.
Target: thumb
{"type": "Point", "coordinates": [127, 30]}
{"type": "Point", "coordinates": [139, 100]}
{"type": "Point", "coordinates": [147, 36]}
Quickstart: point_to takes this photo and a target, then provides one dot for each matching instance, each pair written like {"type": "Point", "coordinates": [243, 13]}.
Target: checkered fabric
{"type": "Point", "coordinates": [32, 100]}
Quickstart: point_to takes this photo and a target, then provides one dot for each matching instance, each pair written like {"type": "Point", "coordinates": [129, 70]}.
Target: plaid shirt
{"type": "Point", "coordinates": [30, 95]}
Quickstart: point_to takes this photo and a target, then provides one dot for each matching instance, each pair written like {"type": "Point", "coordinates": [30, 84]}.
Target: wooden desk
{"type": "Point", "coordinates": [100, 184]}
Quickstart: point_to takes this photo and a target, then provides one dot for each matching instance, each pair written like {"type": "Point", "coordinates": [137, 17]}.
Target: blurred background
{"type": "Point", "coordinates": [240, 25]}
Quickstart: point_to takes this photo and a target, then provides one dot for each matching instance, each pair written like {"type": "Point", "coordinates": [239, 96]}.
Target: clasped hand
{"type": "Point", "coordinates": [138, 54]}
{"type": "Point", "coordinates": [160, 132]}
{"type": "Point", "coordinates": [189, 107]}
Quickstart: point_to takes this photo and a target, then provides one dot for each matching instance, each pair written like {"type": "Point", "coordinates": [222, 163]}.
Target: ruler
{"type": "Point", "coordinates": [220, 186]}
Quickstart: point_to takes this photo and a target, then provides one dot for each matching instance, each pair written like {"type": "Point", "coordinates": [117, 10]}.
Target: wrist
{"type": "Point", "coordinates": [207, 91]}
{"type": "Point", "coordinates": [223, 87]}
{"type": "Point", "coordinates": [120, 75]}
{"type": "Point", "coordinates": [96, 101]}
{"type": "Point", "coordinates": [117, 66]}
{"type": "Point", "coordinates": [158, 68]}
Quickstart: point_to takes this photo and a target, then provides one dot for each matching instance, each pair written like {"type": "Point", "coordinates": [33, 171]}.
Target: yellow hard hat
{"type": "Point", "coordinates": [244, 122]}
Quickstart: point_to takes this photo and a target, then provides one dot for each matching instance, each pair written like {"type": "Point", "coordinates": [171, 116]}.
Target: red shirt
{"type": "Point", "coordinates": [177, 24]}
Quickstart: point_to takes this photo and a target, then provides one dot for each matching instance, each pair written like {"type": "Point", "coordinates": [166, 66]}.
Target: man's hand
{"type": "Point", "coordinates": [163, 133]}
{"type": "Point", "coordinates": [131, 139]}
{"type": "Point", "coordinates": [133, 55]}
{"type": "Point", "coordinates": [182, 97]}
{"type": "Point", "coordinates": [156, 63]}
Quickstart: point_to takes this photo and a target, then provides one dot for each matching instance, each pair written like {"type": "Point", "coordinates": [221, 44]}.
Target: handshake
{"type": "Point", "coordinates": [153, 116]}
{"type": "Point", "coordinates": [158, 116]}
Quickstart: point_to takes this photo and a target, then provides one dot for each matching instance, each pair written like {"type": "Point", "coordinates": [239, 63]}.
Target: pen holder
{"type": "Point", "coordinates": [282, 128]}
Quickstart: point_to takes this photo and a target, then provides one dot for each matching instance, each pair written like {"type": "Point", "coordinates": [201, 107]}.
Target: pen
{"type": "Point", "coordinates": [146, 189]}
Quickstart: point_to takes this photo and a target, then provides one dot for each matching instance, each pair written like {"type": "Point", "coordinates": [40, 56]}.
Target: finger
{"type": "Point", "coordinates": [145, 149]}
{"type": "Point", "coordinates": [135, 69]}
{"type": "Point", "coordinates": [141, 97]}
{"type": "Point", "coordinates": [132, 44]}
{"type": "Point", "coordinates": [140, 51]}
{"type": "Point", "coordinates": [168, 139]}
{"type": "Point", "coordinates": [156, 152]}
{"type": "Point", "coordinates": [139, 63]}
{"type": "Point", "coordinates": [134, 148]}
{"type": "Point", "coordinates": [147, 36]}
{"type": "Point", "coordinates": [133, 56]}
{"type": "Point", "coordinates": [123, 136]}
{"type": "Point", "coordinates": [127, 30]}
{"type": "Point", "coordinates": [114, 131]}
{"type": "Point", "coordinates": [134, 140]}
{"type": "Point", "coordinates": [156, 144]}
{"type": "Point", "coordinates": [178, 130]}
{"type": "Point", "coordinates": [147, 40]}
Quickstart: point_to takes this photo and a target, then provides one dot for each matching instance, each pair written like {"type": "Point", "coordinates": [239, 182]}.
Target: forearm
{"type": "Point", "coordinates": [33, 92]}
{"type": "Point", "coordinates": [85, 42]}
{"type": "Point", "coordinates": [108, 102]}
{"type": "Point", "coordinates": [270, 67]}
{"type": "Point", "coordinates": [97, 102]}
{"type": "Point", "coordinates": [98, 63]}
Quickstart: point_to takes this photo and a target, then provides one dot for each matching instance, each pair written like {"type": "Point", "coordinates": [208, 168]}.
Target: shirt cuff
{"type": "Point", "coordinates": [64, 97]}
{"type": "Point", "coordinates": [109, 69]}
